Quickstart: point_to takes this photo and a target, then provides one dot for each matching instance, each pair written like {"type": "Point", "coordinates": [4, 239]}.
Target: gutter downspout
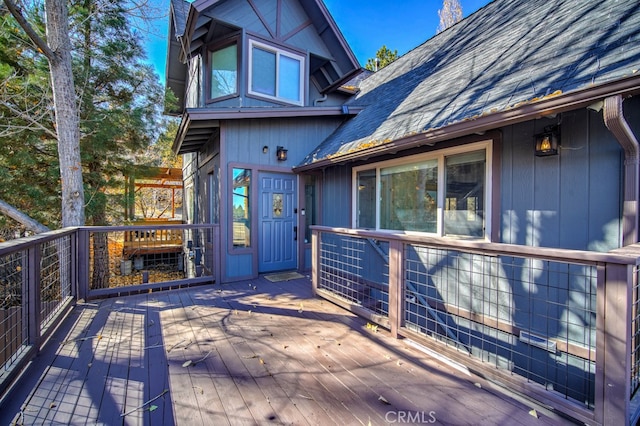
{"type": "Point", "coordinates": [614, 120]}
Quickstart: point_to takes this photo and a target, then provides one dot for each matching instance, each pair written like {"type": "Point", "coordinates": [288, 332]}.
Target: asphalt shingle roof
{"type": "Point", "coordinates": [508, 53]}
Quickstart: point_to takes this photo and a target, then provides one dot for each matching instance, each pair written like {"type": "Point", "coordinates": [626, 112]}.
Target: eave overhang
{"type": "Point", "coordinates": [535, 109]}
{"type": "Point", "coordinates": [199, 124]}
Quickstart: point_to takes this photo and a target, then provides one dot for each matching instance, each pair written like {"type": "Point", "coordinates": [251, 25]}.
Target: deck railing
{"type": "Point", "coordinates": [43, 275]}
{"type": "Point", "coordinates": [559, 326]}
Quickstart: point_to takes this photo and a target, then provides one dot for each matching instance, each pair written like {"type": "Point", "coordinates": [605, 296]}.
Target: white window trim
{"type": "Point", "coordinates": [440, 156]}
{"type": "Point", "coordinates": [278, 52]}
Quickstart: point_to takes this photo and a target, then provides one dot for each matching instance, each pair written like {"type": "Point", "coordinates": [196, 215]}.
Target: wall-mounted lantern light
{"type": "Point", "coordinates": [547, 142]}
{"type": "Point", "coordinates": [281, 154]}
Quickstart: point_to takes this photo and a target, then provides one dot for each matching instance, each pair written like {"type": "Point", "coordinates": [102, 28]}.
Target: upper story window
{"type": "Point", "coordinates": [275, 73]}
{"type": "Point", "coordinates": [444, 193]}
{"type": "Point", "coordinates": [224, 71]}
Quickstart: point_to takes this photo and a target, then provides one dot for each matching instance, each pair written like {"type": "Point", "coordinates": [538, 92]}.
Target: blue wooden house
{"type": "Point", "coordinates": [261, 84]}
{"type": "Point", "coordinates": [490, 152]}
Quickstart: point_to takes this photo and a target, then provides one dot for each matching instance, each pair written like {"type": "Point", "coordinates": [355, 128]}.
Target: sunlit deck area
{"type": "Point", "coordinates": [253, 352]}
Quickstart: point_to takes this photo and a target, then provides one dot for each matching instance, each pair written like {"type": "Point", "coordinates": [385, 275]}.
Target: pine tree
{"type": "Point", "coordinates": [383, 58]}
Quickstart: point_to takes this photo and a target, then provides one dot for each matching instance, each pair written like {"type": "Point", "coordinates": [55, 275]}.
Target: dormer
{"type": "Point", "coordinates": [256, 53]}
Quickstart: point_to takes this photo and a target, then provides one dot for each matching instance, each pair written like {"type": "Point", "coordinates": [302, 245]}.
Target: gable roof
{"type": "Point", "coordinates": [191, 25]}
{"type": "Point", "coordinates": [510, 61]}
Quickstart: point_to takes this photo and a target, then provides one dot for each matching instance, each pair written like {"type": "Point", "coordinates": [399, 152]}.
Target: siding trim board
{"type": "Point", "coordinates": [198, 124]}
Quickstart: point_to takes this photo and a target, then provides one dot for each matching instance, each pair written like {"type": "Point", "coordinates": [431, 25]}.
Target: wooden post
{"type": "Point", "coordinates": [396, 284]}
{"type": "Point", "coordinates": [217, 253]}
{"type": "Point", "coordinates": [82, 263]}
{"type": "Point", "coordinates": [73, 253]}
{"type": "Point", "coordinates": [32, 314]}
{"type": "Point", "coordinates": [613, 340]}
{"type": "Point", "coordinates": [315, 259]}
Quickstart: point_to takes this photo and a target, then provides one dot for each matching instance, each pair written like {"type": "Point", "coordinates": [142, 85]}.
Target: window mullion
{"type": "Point", "coordinates": [441, 196]}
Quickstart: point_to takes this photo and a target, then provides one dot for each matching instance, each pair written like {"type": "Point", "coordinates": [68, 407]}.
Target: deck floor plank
{"type": "Point", "coordinates": [260, 352]}
{"type": "Point", "coordinates": [360, 399]}
{"type": "Point", "coordinates": [253, 405]}
{"type": "Point", "coordinates": [254, 354]}
{"type": "Point", "coordinates": [178, 343]}
{"type": "Point", "coordinates": [156, 362]}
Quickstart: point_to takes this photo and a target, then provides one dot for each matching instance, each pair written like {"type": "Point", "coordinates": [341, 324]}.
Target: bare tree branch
{"type": "Point", "coordinates": [33, 35]}
{"type": "Point", "coordinates": [18, 216]}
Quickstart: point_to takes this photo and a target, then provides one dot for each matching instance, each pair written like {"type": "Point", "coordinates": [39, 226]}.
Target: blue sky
{"type": "Point", "coordinates": [366, 25]}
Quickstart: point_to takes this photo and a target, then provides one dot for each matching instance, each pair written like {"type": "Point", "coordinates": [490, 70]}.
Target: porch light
{"type": "Point", "coordinates": [547, 142]}
{"type": "Point", "coordinates": [281, 154]}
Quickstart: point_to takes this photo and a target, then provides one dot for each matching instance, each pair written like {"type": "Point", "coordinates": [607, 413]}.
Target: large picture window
{"type": "Point", "coordinates": [276, 74]}
{"type": "Point", "coordinates": [440, 193]}
{"type": "Point", "coordinates": [224, 71]}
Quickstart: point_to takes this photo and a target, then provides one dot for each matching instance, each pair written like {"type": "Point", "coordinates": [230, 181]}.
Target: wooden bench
{"type": "Point", "coordinates": [154, 240]}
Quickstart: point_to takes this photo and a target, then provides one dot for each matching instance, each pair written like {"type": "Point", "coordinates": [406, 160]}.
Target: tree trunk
{"type": "Point", "coordinates": [66, 110]}
{"type": "Point", "coordinates": [100, 274]}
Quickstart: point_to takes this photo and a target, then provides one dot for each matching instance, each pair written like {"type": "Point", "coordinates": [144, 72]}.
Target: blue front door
{"type": "Point", "coordinates": [277, 222]}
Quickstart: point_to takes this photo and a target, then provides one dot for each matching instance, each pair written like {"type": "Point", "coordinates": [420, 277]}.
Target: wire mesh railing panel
{"type": "Point", "coordinates": [531, 317]}
{"type": "Point", "coordinates": [635, 333]}
{"type": "Point", "coordinates": [357, 270]}
{"type": "Point", "coordinates": [55, 277]}
{"type": "Point", "coordinates": [145, 255]}
{"type": "Point", "coordinates": [13, 324]}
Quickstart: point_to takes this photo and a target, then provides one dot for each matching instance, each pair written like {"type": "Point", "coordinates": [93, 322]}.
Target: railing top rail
{"type": "Point", "coordinates": [629, 255]}
{"type": "Point", "coordinates": [23, 243]}
{"type": "Point", "coordinates": [146, 226]}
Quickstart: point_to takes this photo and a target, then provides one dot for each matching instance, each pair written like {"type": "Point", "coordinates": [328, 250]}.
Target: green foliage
{"type": "Point", "coordinates": [384, 57]}
{"type": "Point", "coordinates": [120, 102]}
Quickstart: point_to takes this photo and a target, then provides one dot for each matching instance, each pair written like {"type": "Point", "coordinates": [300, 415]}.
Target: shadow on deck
{"type": "Point", "coordinates": [253, 352]}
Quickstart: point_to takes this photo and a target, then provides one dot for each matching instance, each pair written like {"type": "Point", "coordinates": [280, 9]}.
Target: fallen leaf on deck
{"type": "Point", "coordinates": [52, 405]}
{"type": "Point", "coordinates": [261, 361]}
{"type": "Point", "coordinates": [534, 413]}
{"type": "Point", "coordinates": [187, 363]}
{"type": "Point", "coordinates": [153, 408]}
{"type": "Point", "coordinates": [383, 400]}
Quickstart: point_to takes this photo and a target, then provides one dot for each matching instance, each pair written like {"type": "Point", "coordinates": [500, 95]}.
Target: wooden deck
{"type": "Point", "coordinates": [248, 353]}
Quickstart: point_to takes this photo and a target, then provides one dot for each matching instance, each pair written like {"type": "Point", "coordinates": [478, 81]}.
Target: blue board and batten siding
{"type": "Point", "coordinates": [336, 196]}
{"type": "Point", "coordinates": [243, 147]}
{"type": "Point", "coordinates": [571, 200]}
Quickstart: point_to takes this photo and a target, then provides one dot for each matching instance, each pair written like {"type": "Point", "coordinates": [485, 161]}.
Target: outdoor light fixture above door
{"type": "Point", "coordinates": [547, 142]}
{"type": "Point", "coordinates": [281, 153]}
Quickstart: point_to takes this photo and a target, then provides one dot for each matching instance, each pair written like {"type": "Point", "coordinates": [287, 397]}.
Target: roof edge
{"type": "Point", "coordinates": [549, 106]}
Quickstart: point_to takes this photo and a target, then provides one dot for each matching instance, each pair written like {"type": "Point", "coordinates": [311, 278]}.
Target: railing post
{"type": "Point", "coordinates": [82, 266]}
{"type": "Point", "coordinates": [613, 350]}
{"type": "Point", "coordinates": [34, 301]}
{"type": "Point", "coordinates": [396, 286]}
{"type": "Point", "coordinates": [315, 260]}
{"type": "Point", "coordinates": [217, 254]}
{"type": "Point", "coordinates": [73, 255]}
